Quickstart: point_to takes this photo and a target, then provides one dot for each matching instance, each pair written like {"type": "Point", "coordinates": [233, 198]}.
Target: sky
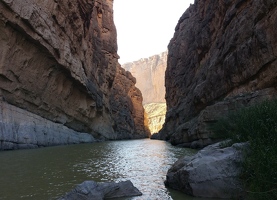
{"type": "Point", "coordinates": [145, 27]}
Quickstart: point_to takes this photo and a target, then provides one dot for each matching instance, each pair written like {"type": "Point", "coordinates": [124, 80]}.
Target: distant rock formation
{"type": "Point", "coordinates": [58, 61]}
{"type": "Point", "coordinates": [149, 73]}
{"type": "Point", "coordinates": [156, 116]}
{"type": "Point", "coordinates": [223, 56]}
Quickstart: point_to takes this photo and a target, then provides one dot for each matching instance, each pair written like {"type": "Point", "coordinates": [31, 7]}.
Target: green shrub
{"type": "Point", "coordinates": [258, 125]}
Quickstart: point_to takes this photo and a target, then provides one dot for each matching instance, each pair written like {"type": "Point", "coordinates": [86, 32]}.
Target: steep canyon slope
{"type": "Point", "coordinates": [59, 68]}
{"type": "Point", "coordinates": [223, 56]}
{"type": "Point", "coordinates": [149, 74]}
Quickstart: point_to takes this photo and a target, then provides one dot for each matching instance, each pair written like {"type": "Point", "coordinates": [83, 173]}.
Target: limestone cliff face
{"type": "Point", "coordinates": [156, 116]}
{"type": "Point", "coordinates": [58, 61]}
{"type": "Point", "coordinates": [127, 111]}
{"type": "Point", "coordinates": [149, 73]}
{"type": "Point", "coordinates": [222, 56]}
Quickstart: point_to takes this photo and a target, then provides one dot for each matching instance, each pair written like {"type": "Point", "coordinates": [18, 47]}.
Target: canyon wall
{"type": "Point", "coordinates": [149, 73]}
{"type": "Point", "coordinates": [128, 113]}
{"type": "Point", "coordinates": [222, 57]}
{"type": "Point", "coordinates": [59, 63]}
{"type": "Point", "coordinates": [156, 116]}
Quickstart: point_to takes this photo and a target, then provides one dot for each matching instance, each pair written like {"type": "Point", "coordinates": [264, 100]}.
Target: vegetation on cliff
{"type": "Point", "coordinates": [258, 125]}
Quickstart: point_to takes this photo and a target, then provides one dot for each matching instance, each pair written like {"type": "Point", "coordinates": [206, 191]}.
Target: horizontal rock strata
{"type": "Point", "coordinates": [58, 60]}
{"type": "Point", "coordinates": [221, 51]}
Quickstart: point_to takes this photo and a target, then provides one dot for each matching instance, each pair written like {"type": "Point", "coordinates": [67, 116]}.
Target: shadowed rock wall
{"type": "Point", "coordinates": [222, 57]}
{"type": "Point", "coordinates": [128, 113]}
{"type": "Point", "coordinates": [58, 60]}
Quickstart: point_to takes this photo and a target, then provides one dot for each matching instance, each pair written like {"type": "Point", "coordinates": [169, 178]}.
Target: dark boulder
{"type": "Point", "coordinates": [97, 191]}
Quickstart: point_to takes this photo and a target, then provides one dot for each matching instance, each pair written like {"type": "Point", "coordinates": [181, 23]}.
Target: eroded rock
{"type": "Point", "coordinates": [20, 129]}
{"type": "Point", "coordinates": [196, 133]}
{"type": "Point", "coordinates": [149, 73]}
{"type": "Point", "coordinates": [98, 191]}
{"type": "Point", "coordinates": [221, 50]}
{"type": "Point", "coordinates": [156, 116]}
{"type": "Point", "coordinates": [212, 173]}
{"type": "Point", "coordinates": [58, 60]}
{"type": "Point", "coordinates": [127, 111]}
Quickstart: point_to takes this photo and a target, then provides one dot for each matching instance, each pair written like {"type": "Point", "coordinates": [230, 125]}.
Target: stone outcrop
{"type": "Point", "coordinates": [99, 191]}
{"type": "Point", "coordinates": [223, 56]}
{"type": "Point", "coordinates": [212, 173]}
{"type": "Point", "coordinates": [156, 115]}
{"type": "Point", "coordinates": [20, 129]}
{"type": "Point", "coordinates": [196, 133]}
{"type": "Point", "coordinates": [58, 60]}
{"type": "Point", "coordinates": [128, 113]}
{"type": "Point", "coordinates": [149, 73]}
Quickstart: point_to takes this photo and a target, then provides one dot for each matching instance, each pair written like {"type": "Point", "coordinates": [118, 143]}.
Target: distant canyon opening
{"type": "Point", "coordinates": [150, 79]}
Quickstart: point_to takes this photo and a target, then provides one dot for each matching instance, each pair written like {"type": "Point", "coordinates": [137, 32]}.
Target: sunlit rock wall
{"type": "Point", "coordinates": [156, 116]}
{"type": "Point", "coordinates": [149, 73]}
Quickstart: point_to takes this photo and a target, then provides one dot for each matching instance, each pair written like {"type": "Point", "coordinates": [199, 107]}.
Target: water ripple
{"type": "Point", "coordinates": [48, 173]}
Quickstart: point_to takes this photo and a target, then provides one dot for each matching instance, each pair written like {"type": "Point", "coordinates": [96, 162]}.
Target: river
{"type": "Point", "coordinates": [48, 173]}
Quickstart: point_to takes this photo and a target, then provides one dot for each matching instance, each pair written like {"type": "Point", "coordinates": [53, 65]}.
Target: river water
{"type": "Point", "coordinates": [48, 173]}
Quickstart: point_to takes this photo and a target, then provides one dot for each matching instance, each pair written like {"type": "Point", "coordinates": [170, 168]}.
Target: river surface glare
{"type": "Point", "coordinates": [48, 173]}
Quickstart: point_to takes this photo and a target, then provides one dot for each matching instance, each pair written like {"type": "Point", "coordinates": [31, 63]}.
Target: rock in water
{"type": "Point", "coordinates": [212, 173]}
{"type": "Point", "coordinates": [89, 190]}
{"type": "Point", "coordinates": [58, 64]}
{"type": "Point", "coordinates": [223, 56]}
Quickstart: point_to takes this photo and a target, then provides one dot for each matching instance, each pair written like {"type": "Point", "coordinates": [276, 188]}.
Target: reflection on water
{"type": "Point", "coordinates": [48, 173]}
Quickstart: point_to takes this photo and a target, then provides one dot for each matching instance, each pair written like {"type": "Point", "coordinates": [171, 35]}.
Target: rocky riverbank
{"type": "Point", "coordinates": [222, 57]}
{"type": "Point", "coordinates": [212, 173]}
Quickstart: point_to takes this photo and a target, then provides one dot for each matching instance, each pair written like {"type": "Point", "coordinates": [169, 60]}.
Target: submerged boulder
{"type": "Point", "coordinates": [212, 173]}
{"type": "Point", "coordinates": [97, 191]}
